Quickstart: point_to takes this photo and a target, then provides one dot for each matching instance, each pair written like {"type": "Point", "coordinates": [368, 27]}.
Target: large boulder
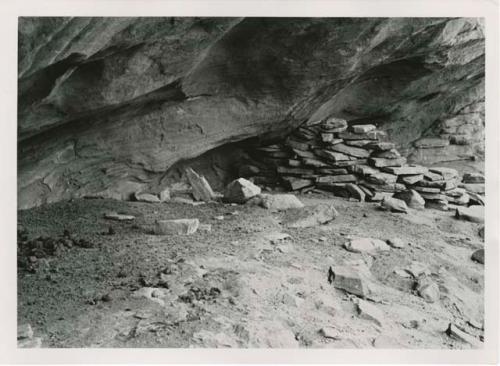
{"type": "Point", "coordinates": [240, 191]}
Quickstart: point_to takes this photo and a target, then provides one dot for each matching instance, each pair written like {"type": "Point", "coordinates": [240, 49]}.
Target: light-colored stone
{"type": "Point", "coordinates": [240, 191]}
{"type": "Point", "coordinates": [201, 188]}
{"type": "Point", "coordinates": [118, 217]}
{"type": "Point", "coordinates": [349, 279]}
{"type": "Point", "coordinates": [457, 333]}
{"type": "Point", "coordinates": [416, 269]}
{"type": "Point", "coordinates": [405, 170]}
{"type": "Point", "coordinates": [394, 205]}
{"type": "Point", "coordinates": [24, 331]}
{"type": "Point", "coordinates": [330, 332]}
{"type": "Point", "coordinates": [412, 199]}
{"type": "Point", "coordinates": [146, 197]}
{"type": "Point", "coordinates": [355, 192]}
{"type": "Point", "coordinates": [382, 178]}
{"type": "Point", "coordinates": [362, 128]}
{"type": "Point", "coordinates": [383, 163]}
{"type": "Point", "coordinates": [478, 256]}
{"type": "Point", "coordinates": [280, 202]}
{"type": "Point", "coordinates": [396, 243]}
{"type": "Point", "coordinates": [369, 311]}
{"type": "Point", "coordinates": [165, 195]}
{"type": "Point", "coordinates": [176, 227]}
{"type": "Point", "coordinates": [366, 245]}
{"type": "Point", "coordinates": [310, 216]}
{"type": "Point", "coordinates": [30, 343]}
{"type": "Point", "coordinates": [411, 179]}
{"type": "Point", "coordinates": [428, 290]}
{"type": "Point", "coordinates": [446, 173]}
{"type": "Point", "coordinates": [471, 213]}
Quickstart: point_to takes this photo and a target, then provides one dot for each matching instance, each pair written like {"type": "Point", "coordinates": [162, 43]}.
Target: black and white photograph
{"type": "Point", "coordinates": [243, 182]}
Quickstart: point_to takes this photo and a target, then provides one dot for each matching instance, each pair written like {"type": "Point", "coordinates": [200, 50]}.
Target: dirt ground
{"type": "Point", "coordinates": [240, 285]}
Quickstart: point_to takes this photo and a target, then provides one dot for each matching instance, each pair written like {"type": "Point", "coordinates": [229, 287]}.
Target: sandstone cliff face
{"type": "Point", "coordinates": [111, 104]}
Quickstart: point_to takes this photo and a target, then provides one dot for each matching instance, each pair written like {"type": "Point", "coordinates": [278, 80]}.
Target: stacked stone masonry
{"type": "Point", "coordinates": [357, 162]}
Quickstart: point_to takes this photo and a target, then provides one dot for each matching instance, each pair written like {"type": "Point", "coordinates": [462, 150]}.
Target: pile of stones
{"type": "Point", "coordinates": [356, 162]}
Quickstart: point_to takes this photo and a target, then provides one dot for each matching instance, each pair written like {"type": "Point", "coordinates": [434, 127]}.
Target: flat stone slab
{"type": "Point", "coordinates": [366, 245]}
{"type": "Point", "coordinates": [471, 213]}
{"type": "Point", "coordinates": [382, 162]}
{"type": "Point", "coordinates": [176, 227]}
{"type": "Point", "coordinates": [349, 279]}
{"type": "Point", "coordinates": [371, 312]}
{"type": "Point", "coordinates": [405, 170]}
{"type": "Point", "coordinates": [363, 128]}
{"type": "Point", "coordinates": [446, 173]}
{"type": "Point", "coordinates": [350, 150]}
{"type": "Point", "coordinates": [382, 178]}
{"type": "Point", "coordinates": [457, 333]}
{"type": "Point", "coordinates": [473, 178]}
{"type": "Point", "coordinates": [118, 217]}
{"type": "Point", "coordinates": [381, 146]}
{"type": "Point", "coordinates": [337, 179]}
{"type": "Point", "coordinates": [430, 142]}
{"type": "Point", "coordinates": [146, 197]}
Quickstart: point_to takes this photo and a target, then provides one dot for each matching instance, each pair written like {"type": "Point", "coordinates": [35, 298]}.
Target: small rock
{"type": "Point", "coordinates": [280, 202]}
{"type": "Point", "coordinates": [369, 311]}
{"type": "Point", "coordinates": [441, 205]}
{"type": "Point", "coordinates": [355, 192]}
{"type": "Point", "coordinates": [30, 343]}
{"type": "Point", "coordinates": [176, 227]}
{"type": "Point", "coordinates": [362, 128]}
{"type": "Point", "coordinates": [240, 191]}
{"type": "Point", "coordinates": [330, 332]}
{"type": "Point", "coordinates": [478, 256]}
{"type": "Point", "coordinates": [165, 195]}
{"type": "Point", "coordinates": [24, 331]}
{"type": "Point", "coordinates": [394, 205]}
{"type": "Point", "coordinates": [473, 178]}
{"type": "Point", "coordinates": [455, 332]}
{"type": "Point", "coordinates": [146, 197]}
{"type": "Point", "coordinates": [396, 243]}
{"type": "Point", "coordinates": [349, 279]}
{"type": "Point", "coordinates": [220, 217]}
{"type": "Point", "coordinates": [428, 290]}
{"type": "Point", "coordinates": [402, 273]}
{"type": "Point", "coordinates": [416, 269]}
{"type": "Point", "coordinates": [310, 216]}
{"type": "Point", "coordinates": [361, 245]}
{"type": "Point", "coordinates": [205, 227]}
{"type": "Point", "coordinates": [412, 198]}
{"type": "Point", "coordinates": [118, 217]}
{"type": "Point", "coordinates": [471, 213]}
{"type": "Point", "coordinates": [277, 237]}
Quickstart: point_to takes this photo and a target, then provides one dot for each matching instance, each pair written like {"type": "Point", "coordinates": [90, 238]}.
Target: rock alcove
{"type": "Point", "coordinates": [113, 106]}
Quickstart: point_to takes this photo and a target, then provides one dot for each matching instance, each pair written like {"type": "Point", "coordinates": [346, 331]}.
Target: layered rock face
{"type": "Point", "coordinates": [112, 105]}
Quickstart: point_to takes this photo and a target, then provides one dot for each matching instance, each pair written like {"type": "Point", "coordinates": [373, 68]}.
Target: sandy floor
{"type": "Point", "coordinates": [240, 286]}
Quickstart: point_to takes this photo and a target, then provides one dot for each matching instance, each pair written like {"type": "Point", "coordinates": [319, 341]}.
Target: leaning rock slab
{"type": "Point", "coordinates": [457, 333]}
{"type": "Point", "coordinates": [369, 311]}
{"type": "Point", "coordinates": [176, 227]}
{"type": "Point", "coordinates": [240, 191]}
{"type": "Point", "coordinates": [471, 213]}
{"type": "Point", "coordinates": [280, 202]}
{"type": "Point", "coordinates": [201, 189]}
